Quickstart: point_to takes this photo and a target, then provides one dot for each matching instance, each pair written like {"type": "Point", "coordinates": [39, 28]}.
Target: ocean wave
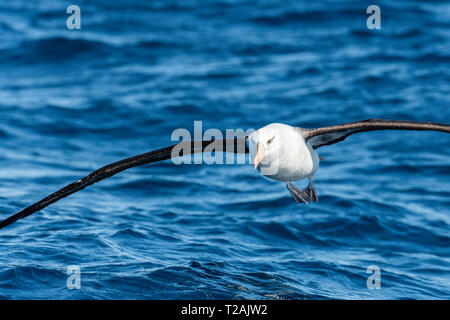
{"type": "Point", "coordinates": [52, 50]}
{"type": "Point", "coordinates": [74, 100]}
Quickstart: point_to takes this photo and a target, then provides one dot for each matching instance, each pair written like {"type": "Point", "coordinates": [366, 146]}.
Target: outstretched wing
{"type": "Point", "coordinates": [236, 145]}
{"type": "Point", "coordinates": [329, 135]}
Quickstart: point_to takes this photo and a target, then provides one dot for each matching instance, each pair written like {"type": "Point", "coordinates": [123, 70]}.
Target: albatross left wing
{"type": "Point", "coordinates": [329, 135]}
{"type": "Point", "coordinates": [236, 145]}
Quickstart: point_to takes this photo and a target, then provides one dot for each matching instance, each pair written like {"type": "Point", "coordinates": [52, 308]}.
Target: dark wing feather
{"type": "Point", "coordinates": [329, 135]}
{"type": "Point", "coordinates": [236, 145]}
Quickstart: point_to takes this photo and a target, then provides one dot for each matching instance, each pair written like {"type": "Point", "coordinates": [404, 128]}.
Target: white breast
{"type": "Point", "coordinates": [295, 160]}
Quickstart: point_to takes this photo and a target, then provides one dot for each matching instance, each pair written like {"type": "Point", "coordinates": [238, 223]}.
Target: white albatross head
{"type": "Point", "coordinates": [266, 144]}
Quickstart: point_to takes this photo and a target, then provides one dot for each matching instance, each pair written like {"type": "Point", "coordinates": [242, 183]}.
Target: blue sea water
{"type": "Point", "coordinates": [72, 101]}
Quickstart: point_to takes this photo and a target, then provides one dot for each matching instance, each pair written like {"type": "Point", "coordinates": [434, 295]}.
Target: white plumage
{"type": "Point", "coordinates": [285, 153]}
{"type": "Point", "coordinates": [279, 152]}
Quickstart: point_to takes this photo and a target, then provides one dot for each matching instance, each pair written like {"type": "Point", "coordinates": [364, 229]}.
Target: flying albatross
{"type": "Point", "coordinates": [278, 151]}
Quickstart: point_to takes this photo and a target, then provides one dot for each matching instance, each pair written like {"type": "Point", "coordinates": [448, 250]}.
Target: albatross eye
{"type": "Point", "coordinates": [270, 140]}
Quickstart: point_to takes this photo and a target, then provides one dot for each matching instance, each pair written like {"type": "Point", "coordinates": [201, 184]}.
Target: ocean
{"type": "Point", "coordinates": [73, 100]}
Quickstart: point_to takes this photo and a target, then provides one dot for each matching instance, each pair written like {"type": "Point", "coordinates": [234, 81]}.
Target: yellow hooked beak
{"type": "Point", "coordinates": [260, 153]}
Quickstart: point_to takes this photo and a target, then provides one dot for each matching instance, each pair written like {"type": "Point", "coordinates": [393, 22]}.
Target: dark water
{"type": "Point", "coordinates": [74, 100]}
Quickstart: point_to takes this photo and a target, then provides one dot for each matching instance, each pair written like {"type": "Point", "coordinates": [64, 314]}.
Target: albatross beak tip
{"type": "Point", "coordinates": [259, 154]}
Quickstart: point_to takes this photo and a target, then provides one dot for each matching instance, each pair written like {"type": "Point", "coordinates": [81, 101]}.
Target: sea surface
{"type": "Point", "coordinates": [72, 101]}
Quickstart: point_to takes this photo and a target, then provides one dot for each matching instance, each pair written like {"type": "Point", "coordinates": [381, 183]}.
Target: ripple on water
{"type": "Point", "coordinates": [71, 102]}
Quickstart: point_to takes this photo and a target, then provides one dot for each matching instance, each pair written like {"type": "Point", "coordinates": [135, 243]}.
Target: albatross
{"type": "Point", "coordinates": [278, 151]}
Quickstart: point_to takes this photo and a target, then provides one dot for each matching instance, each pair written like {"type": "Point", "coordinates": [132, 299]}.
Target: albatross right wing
{"type": "Point", "coordinates": [329, 135]}
{"type": "Point", "coordinates": [236, 145]}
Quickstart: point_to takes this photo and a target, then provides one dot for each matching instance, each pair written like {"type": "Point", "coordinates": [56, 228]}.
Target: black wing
{"type": "Point", "coordinates": [329, 135]}
{"type": "Point", "coordinates": [236, 145]}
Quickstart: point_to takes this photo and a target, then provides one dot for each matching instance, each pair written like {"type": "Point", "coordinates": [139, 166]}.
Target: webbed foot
{"type": "Point", "coordinates": [299, 195]}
